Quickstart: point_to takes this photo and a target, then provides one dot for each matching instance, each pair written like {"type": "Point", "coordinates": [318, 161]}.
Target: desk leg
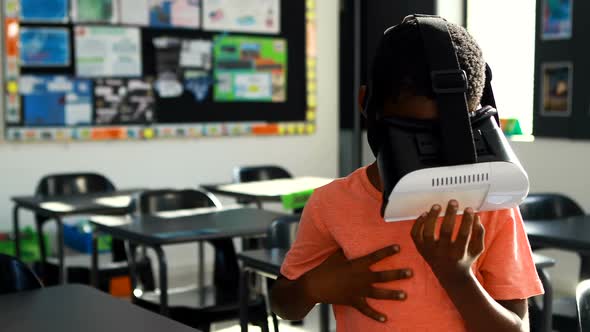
{"type": "Point", "coordinates": [201, 265]}
{"type": "Point", "coordinates": [60, 250]}
{"type": "Point", "coordinates": [324, 317]}
{"type": "Point", "coordinates": [163, 280]}
{"type": "Point", "coordinates": [131, 248]}
{"type": "Point", "coordinates": [244, 297]}
{"type": "Point", "coordinates": [16, 229]}
{"type": "Point", "coordinates": [94, 261]}
{"type": "Point", "coordinates": [547, 301]}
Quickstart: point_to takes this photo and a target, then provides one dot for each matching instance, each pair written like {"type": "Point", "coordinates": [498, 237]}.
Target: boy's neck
{"type": "Point", "coordinates": [374, 177]}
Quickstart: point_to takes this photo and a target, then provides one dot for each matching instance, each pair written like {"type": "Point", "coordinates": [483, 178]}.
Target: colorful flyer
{"type": "Point", "coordinates": [108, 51]}
{"type": "Point", "coordinates": [134, 12]}
{"type": "Point", "coordinates": [175, 13]}
{"type": "Point", "coordinates": [123, 101]}
{"type": "Point", "coordinates": [557, 19]}
{"type": "Point", "coordinates": [44, 11]}
{"type": "Point", "coordinates": [56, 100]}
{"type": "Point", "coordinates": [557, 82]}
{"type": "Point", "coordinates": [44, 47]}
{"type": "Point", "coordinates": [94, 11]}
{"type": "Point", "coordinates": [258, 16]}
{"type": "Point", "coordinates": [250, 69]}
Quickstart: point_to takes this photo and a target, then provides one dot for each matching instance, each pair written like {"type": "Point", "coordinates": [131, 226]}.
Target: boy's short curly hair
{"type": "Point", "coordinates": [401, 64]}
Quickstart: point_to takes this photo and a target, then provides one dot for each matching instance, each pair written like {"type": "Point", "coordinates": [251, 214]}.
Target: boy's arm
{"type": "Point", "coordinates": [338, 281]}
{"type": "Point", "coordinates": [451, 262]}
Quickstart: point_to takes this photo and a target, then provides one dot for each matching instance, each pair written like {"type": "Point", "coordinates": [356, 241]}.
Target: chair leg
{"type": "Point", "coordinates": [275, 321]}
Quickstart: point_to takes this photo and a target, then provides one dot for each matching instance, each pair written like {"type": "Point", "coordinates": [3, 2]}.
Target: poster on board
{"type": "Point", "coordinates": [256, 16]}
{"type": "Point", "coordinates": [183, 65]}
{"type": "Point", "coordinates": [250, 69]}
{"type": "Point", "coordinates": [124, 101]}
{"type": "Point", "coordinates": [134, 12]}
{"type": "Point", "coordinates": [557, 19]}
{"type": "Point", "coordinates": [175, 13]}
{"type": "Point", "coordinates": [105, 11]}
{"type": "Point", "coordinates": [56, 100]}
{"type": "Point", "coordinates": [44, 47]}
{"type": "Point", "coordinates": [557, 81]}
{"type": "Point", "coordinates": [108, 51]}
{"type": "Point", "coordinates": [55, 11]}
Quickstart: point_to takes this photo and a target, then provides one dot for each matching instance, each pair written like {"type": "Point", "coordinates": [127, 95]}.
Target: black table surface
{"type": "Point", "coordinates": [153, 230]}
{"type": "Point", "coordinates": [78, 203]}
{"type": "Point", "coordinates": [268, 261]}
{"type": "Point", "coordinates": [74, 308]}
{"type": "Point", "coordinates": [569, 233]}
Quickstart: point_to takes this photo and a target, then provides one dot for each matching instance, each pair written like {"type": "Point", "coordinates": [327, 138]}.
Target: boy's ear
{"type": "Point", "coordinates": [362, 97]}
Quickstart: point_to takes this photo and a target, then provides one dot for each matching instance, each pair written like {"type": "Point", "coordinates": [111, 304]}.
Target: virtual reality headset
{"type": "Point", "coordinates": [461, 155]}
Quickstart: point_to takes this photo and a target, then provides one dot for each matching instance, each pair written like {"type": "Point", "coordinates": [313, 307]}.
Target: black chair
{"type": "Point", "coordinates": [583, 305]}
{"type": "Point", "coordinates": [82, 183]}
{"type": "Point", "coordinates": [257, 173]}
{"type": "Point", "coordinates": [15, 276]}
{"type": "Point", "coordinates": [260, 173]}
{"type": "Point", "coordinates": [282, 232]}
{"type": "Point", "coordinates": [280, 235]}
{"type": "Point", "coordinates": [550, 206]}
{"type": "Point", "coordinates": [201, 307]}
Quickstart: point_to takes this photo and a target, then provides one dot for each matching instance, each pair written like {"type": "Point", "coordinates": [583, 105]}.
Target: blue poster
{"type": "Point", "coordinates": [45, 47]}
{"type": "Point", "coordinates": [56, 100]}
{"type": "Point", "coordinates": [44, 10]}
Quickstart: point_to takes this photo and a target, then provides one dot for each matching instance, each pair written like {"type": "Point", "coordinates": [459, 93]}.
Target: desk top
{"type": "Point", "coordinates": [87, 310]}
{"type": "Point", "coordinates": [569, 233]}
{"type": "Point", "coordinates": [269, 189]}
{"type": "Point", "coordinates": [116, 202]}
{"type": "Point", "coordinates": [158, 230]}
{"type": "Point", "coordinates": [270, 261]}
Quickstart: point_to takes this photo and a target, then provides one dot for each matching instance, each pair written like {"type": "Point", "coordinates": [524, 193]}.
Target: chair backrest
{"type": "Point", "coordinates": [260, 173]}
{"type": "Point", "coordinates": [282, 232]}
{"type": "Point", "coordinates": [549, 206]}
{"type": "Point", "coordinates": [73, 183]}
{"type": "Point", "coordinates": [226, 269]}
{"type": "Point", "coordinates": [15, 276]}
{"type": "Point", "coordinates": [154, 201]}
{"type": "Point", "coordinates": [583, 305]}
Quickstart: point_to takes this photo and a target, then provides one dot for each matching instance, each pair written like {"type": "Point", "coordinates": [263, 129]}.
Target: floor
{"type": "Point", "coordinates": [310, 324]}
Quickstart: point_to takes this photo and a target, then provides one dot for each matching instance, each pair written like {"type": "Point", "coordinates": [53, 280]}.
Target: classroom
{"type": "Point", "coordinates": [294, 165]}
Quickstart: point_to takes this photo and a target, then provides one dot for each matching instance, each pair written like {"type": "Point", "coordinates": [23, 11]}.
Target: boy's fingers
{"type": "Point", "coordinates": [446, 230]}
{"type": "Point", "coordinates": [430, 224]}
{"type": "Point", "coordinates": [476, 244]}
{"type": "Point", "coordinates": [366, 310]}
{"type": "Point", "coordinates": [387, 294]}
{"type": "Point", "coordinates": [417, 228]}
{"type": "Point", "coordinates": [377, 256]}
{"type": "Point", "coordinates": [464, 231]}
{"type": "Point", "coordinates": [391, 275]}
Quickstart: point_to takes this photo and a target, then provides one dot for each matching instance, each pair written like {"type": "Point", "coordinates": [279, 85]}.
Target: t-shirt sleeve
{"type": "Point", "coordinates": [313, 244]}
{"type": "Point", "coordinates": [507, 270]}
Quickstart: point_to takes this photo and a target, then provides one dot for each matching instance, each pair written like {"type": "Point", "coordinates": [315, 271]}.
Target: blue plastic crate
{"type": "Point", "coordinates": [79, 237]}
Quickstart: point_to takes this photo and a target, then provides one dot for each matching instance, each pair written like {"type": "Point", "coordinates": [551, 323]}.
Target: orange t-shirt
{"type": "Point", "coordinates": [345, 214]}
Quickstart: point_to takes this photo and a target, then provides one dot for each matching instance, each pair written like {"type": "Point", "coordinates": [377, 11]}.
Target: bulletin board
{"type": "Point", "coordinates": [562, 102]}
{"type": "Point", "coordinates": [92, 70]}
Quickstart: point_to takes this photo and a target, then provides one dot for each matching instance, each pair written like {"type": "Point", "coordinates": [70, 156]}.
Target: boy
{"type": "Point", "coordinates": [469, 273]}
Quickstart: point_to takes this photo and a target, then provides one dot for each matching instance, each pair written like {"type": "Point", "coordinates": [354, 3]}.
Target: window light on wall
{"type": "Point", "coordinates": [505, 30]}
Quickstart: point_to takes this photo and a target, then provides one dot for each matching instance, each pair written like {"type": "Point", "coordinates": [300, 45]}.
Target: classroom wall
{"type": "Point", "coordinates": [187, 163]}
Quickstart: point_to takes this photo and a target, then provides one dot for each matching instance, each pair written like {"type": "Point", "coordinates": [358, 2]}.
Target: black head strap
{"type": "Point", "coordinates": [449, 84]}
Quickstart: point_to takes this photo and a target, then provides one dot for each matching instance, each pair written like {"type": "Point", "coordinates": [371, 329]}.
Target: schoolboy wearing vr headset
{"type": "Point", "coordinates": [473, 270]}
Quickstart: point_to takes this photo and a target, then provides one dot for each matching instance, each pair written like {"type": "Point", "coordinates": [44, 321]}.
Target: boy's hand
{"type": "Point", "coordinates": [340, 281]}
{"type": "Point", "coordinates": [450, 260]}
